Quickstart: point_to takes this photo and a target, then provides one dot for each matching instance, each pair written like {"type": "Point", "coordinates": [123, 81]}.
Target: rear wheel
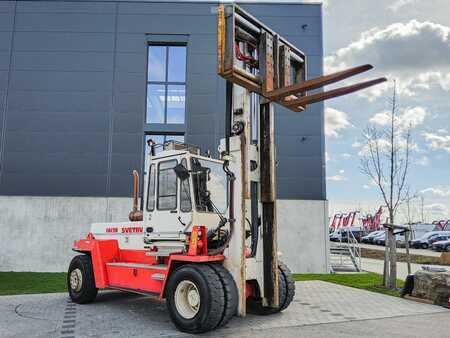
{"type": "Point", "coordinates": [286, 289]}
{"type": "Point", "coordinates": [424, 246]}
{"type": "Point", "coordinates": [195, 298]}
{"type": "Point", "coordinates": [80, 280]}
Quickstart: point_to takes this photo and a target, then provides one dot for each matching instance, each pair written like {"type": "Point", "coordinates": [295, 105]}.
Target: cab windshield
{"type": "Point", "coordinates": [210, 185]}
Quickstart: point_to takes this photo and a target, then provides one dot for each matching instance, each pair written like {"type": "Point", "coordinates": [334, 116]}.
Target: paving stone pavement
{"type": "Point", "coordinates": [117, 314]}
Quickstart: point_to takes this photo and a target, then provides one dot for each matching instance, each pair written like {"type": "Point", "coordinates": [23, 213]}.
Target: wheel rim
{"type": "Point", "coordinates": [76, 280]}
{"type": "Point", "coordinates": [187, 299]}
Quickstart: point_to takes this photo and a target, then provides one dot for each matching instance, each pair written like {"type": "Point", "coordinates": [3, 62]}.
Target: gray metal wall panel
{"type": "Point", "coordinates": [166, 24]}
{"type": "Point", "coordinates": [7, 13]}
{"type": "Point", "coordinates": [59, 101]}
{"type": "Point", "coordinates": [63, 41]}
{"type": "Point", "coordinates": [4, 59]}
{"type": "Point", "coordinates": [64, 22]}
{"type": "Point", "coordinates": [54, 185]}
{"type": "Point", "coordinates": [6, 21]}
{"type": "Point", "coordinates": [7, 6]}
{"type": "Point", "coordinates": [60, 81]}
{"type": "Point", "coordinates": [165, 9]}
{"type": "Point", "coordinates": [65, 7]}
{"type": "Point", "coordinates": [62, 61]}
{"type": "Point", "coordinates": [57, 142]}
{"type": "Point", "coordinates": [3, 79]}
{"type": "Point", "coordinates": [78, 83]}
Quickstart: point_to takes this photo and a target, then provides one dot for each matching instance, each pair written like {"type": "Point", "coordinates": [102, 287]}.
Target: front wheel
{"type": "Point", "coordinates": [286, 292]}
{"type": "Point", "coordinates": [424, 246]}
{"type": "Point", "coordinates": [195, 298]}
{"type": "Point", "coordinates": [80, 280]}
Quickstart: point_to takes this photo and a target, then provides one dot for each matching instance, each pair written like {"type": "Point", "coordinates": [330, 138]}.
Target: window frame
{"type": "Point", "coordinates": [150, 176]}
{"type": "Point", "coordinates": [158, 188]}
{"type": "Point", "coordinates": [166, 83]}
{"type": "Point", "coordinates": [185, 164]}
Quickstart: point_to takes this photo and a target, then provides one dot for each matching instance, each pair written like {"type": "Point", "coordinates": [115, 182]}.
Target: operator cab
{"type": "Point", "coordinates": [182, 189]}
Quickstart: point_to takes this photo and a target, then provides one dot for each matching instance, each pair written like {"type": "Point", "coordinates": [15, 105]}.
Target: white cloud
{"type": "Point", "coordinates": [338, 177]}
{"type": "Point", "coordinates": [436, 208]}
{"type": "Point", "coordinates": [383, 144]}
{"type": "Point", "coordinates": [440, 191]}
{"type": "Point", "coordinates": [442, 131]}
{"type": "Point", "coordinates": [327, 157]}
{"type": "Point", "coordinates": [408, 117]}
{"type": "Point", "coordinates": [335, 121]}
{"type": "Point", "coordinates": [382, 119]}
{"type": "Point", "coordinates": [346, 156]}
{"type": "Point", "coordinates": [415, 53]}
{"type": "Point", "coordinates": [399, 4]}
{"type": "Point", "coordinates": [365, 186]}
{"type": "Point", "coordinates": [438, 142]}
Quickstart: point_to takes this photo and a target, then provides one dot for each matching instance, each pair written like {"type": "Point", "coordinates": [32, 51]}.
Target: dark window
{"type": "Point", "coordinates": [166, 84]}
{"type": "Point", "coordinates": [167, 186]}
{"type": "Point", "coordinates": [185, 192]}
{"type": "Point", "coordinates": [151, 189]}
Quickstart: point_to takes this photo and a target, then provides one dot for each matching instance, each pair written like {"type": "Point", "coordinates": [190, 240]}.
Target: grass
{"type": "Point", "coordinates": [18, 283]}
{"type": "Point", "coordinates": [367, 281]}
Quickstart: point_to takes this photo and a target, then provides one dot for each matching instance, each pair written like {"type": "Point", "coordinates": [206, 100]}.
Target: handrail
{"type": "Point", "coordinates": [353, 248]}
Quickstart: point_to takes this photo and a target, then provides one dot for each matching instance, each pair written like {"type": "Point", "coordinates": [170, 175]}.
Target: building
{"type": "Point", "coordinates": [79, 98]}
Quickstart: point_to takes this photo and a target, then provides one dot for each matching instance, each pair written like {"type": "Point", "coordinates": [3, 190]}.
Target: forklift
{"type": "Point", "coordinates": [204, 238]}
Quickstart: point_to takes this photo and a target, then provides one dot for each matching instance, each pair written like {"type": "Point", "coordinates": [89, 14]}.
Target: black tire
{"type": "Point", "coordinates": [286, 289]}
{"type": "Point", "coordinates": [85, 291]}
{"type": "Point", "coordinates": [424, 246]}
{"type": "Point", "coordinates": [211, 294]}
{"type": "Point", "coordinates": [290, 285]}
{"type": "Point", "coordinates": [230, 293]}
{"type": "Point", "coordinates": [447, 248]}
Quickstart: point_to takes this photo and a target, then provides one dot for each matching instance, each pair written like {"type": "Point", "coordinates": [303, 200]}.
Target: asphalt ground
{"type": "Point", "coordinates": [319, 309]}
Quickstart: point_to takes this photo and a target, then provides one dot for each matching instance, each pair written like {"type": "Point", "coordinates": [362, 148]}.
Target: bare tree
{"type": "Point", "coordinates": [385, 160]}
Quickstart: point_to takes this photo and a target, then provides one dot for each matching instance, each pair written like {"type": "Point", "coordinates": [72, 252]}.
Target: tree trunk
{"type": "Point", "coordinates": [392, 254]}
{"type": "Point", "coordinates": [408, 257]}
{"type": "Point", "coordinates": [386, 259]}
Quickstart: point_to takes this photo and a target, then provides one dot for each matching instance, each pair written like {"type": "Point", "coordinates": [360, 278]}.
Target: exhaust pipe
{"type": "Point", "coordinates": [135, 215]}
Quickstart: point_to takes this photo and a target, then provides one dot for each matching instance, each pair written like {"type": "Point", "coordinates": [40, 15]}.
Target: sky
{"type": "Point", "coordinates": [405, 40]}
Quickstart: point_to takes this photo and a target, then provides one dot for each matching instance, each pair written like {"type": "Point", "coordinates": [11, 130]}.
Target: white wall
{"type": "Point", "coordinates": [303, 235]}
{"type": "Point", "coordinates": [36, 233]}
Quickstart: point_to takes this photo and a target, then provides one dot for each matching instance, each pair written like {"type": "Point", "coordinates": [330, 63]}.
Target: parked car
{"type": "Point", "coordinates": [381, 239]}
{"type": "Point", "coordinates": [441, 245]}
{"type": "Point", "coordinates": [341, 234]}
{"type": "Point", "coordinates": [370, 237]}
{"type": "Point", "coordinates": [426, 240]}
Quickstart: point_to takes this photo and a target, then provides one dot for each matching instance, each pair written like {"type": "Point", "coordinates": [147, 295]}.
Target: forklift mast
{"type": "Point", "coordinates": [261, 68]}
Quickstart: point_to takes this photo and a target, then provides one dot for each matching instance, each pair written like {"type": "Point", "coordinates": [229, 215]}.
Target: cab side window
{"type": "Point", "coordinates": [185, 192]}
{"type": "Point", "coordinates": [167, 186]}
{"type": "Point", "coordinates": [151, 189]}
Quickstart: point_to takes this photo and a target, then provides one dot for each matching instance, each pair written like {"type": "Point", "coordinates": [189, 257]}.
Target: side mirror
{"type": "Point", "coordinates": [181, 172]}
